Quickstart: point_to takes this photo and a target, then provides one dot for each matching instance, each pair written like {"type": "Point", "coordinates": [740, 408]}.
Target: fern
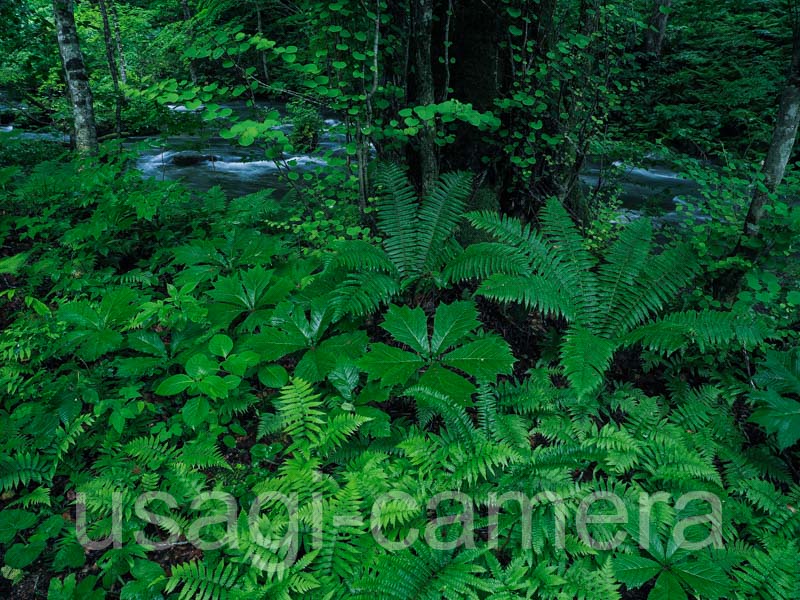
{"type": "Point", "coordinates": [607, 305]}
{"type": "Point", "coordinates": [198, 582]}
{"type": "Point", "coordinates": [418, 241]}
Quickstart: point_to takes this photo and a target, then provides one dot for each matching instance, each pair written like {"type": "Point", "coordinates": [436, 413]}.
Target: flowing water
{"type": "Point", "coordinates": [202, 162]}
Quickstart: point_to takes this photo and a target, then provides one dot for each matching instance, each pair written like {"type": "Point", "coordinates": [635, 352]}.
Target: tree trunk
{"type": "Point", "coordinates": [80, 93]}
{"type": "Point", "coordinates": [422, 15]}
{"type": "Point", "coordinates": [783, 137]}
{"type": "Point", "coordinates": [264, 66]}
{"type": "Point", "coordinates": [187, 17]}
{"type": "Point", "coordinates": [112, 67]}
{"type": "Point", "coordinates": [123, 69]}
{"type": "Point", "coordinates": [655, 34]}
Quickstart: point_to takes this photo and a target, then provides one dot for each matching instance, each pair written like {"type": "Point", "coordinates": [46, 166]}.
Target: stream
{"type": "Point", "coordinates": [203, 162]}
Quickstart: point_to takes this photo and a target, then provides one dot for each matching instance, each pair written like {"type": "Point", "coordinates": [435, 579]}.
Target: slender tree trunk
{"type": "Point", "coordinates": [112, 67]}
{"type": "Point", "coordinates": [187, 17]}
{"type": "Point", "coordinates": [783, 137]}
{"type": "Point", "coordinates": [422, 15]}
{"type": "Point", "coordinates": [655, 34]}
{"type": "Point", "coordinates": [264, 66]}
{"type": "Point", "coordinates": [80, 93]}
{"type": "Point", "coordinates": [123, 69]}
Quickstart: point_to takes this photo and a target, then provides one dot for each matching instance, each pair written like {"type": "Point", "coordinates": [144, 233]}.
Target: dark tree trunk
{"type": "Point", "coordinates": [80, 93]}
{"type": "Point", "coordinates": [783, 137]}
{"type": "Point", "coordinates": [112, 67]}
{"type": "Point", "coordinates": [422, 17]}
{"type": "Point", "coordinates": [522, 194]}
{"type": "Point", "coordinates": [657, 30]}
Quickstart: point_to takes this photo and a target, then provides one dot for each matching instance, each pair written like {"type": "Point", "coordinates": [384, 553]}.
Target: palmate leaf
{"type": "Point", "coordinates": [408, 326]}
{"type": "Point", "coordinates": [390, 365]}
{"type": "Point", "coordinates": [778, 415]}
{"type": "Point", "coordinates": [451, 323]}
{"type": "Point", "coordinates": [704, 578]}
{"type": "Point", "coordinates": [272, 343]}
{"type": "Point", "coordinates": [635, 571]}
{"type": "Point", "coordinates": [484, 359]}
{"type": "Point", "coordinates": [667, 587]}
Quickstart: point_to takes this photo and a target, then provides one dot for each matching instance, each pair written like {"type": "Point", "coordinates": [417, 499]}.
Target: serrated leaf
{"type": "Point", "coordinates": [195, 411]}
{"type": "Point", "coordinates": [483, 359]}
{"type": "Point", "coordinates": [390, 365]}
{"type": "Point", "coordinates": [408, 326]}
{"type": "Point", "coordinates": [451, 323]}
{"type": "Point", "coordinates": [635, 571]}
{"type": "Point", "coordinates": [667, 587]}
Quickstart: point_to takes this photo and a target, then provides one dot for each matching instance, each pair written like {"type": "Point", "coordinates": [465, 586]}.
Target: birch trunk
{"type": "Point", "coordinates": [80, 93]}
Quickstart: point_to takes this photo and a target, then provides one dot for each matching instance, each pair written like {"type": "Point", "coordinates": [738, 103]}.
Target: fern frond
{"type": "Point", "coordinates": [533, 291]}
{"type": "Point", "coordinates": [479, 261]}
{"type": "Point", "coordinates": [363, 293]}
{"type": "Point", "coordinates": [397, 218]}
{"type": "Point", "coordinates": [301, 419]}
{"type": "Point", "coordinates": [358, 255]}
{"type": "Point", "coordinates": [439, 215]}
{"type": "Point", "coordinates": [199, 582]}
{"type": "Point", "coordinates": [22, 468]}
{"type": "Point", "coordinates": [705, 328]}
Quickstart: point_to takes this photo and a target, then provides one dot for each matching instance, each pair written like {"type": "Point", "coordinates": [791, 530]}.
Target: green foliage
{"type": "Point", "coordinates": [419, 239]}
{"type": "Point", "coordinates": [608, 305]}
{"type": "Point", "coordinates": [328, 393]}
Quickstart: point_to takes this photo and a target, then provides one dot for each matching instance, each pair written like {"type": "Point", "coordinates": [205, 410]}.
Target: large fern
{"type": "Point", "coordinates": [608, 304]}
{"type": "Point", "coordinates": [418, 239]}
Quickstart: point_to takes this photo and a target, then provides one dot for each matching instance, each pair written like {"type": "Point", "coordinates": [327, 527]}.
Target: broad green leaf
{"type": "Point", "coordinates": [390, 365]}
{"type": "Point", "coordinates": [12, 521]}
{"type": "Point", "coordinates": [779, 416]}
{"type": "Point", "coordinates": [484, 359]}
{"type": "Point", "coordinates": [273, 343]}
{"type": "Point", "coordinates": [451, 323]}
{"type": "Point", "coordinates": [667, 587]}
{"type": "Point", "coordinates": [174, 385]}
{"type": "Point", "coordinates": [705, 578]}
{"type": "Point", "coordinates": [199, 366]}
{"type": "Point", "coordinates": [147, 342]}
{"type": "Point", "coordinates": [214, 386]}
{"type": "Point", "coordinates": [195, 411]}
{"type": "Point", "coordinates": [220, 345]}
{"type": "Point", "coordinates": [448, 382]}
{"type": "Point", "coordinates": [20, 556]}
{"type": "Point", "coordinates": [273, 376]}
{"type": "Point", "coordinates": [635, 571]}
{"type": "Point", "coordinates": [408, 326]}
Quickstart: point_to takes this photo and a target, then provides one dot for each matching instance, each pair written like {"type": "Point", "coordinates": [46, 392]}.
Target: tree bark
{"type": "Point", "coordinates": [80, 93]}
{"type": "Point", "coordinates": [112, 67]}
{"type": "Point", "coordinates": [123, 69]}
{"type": "Point", "coordinates": [655, 34]}
{"type": "Point", "coordinates": [187, 17]}
{"type": "Point", "coordinates": [782, 144]}
{"type": "Point", "coordinates": [260, 25]}
{"type": "Point", "coordinates": [422, 15]}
